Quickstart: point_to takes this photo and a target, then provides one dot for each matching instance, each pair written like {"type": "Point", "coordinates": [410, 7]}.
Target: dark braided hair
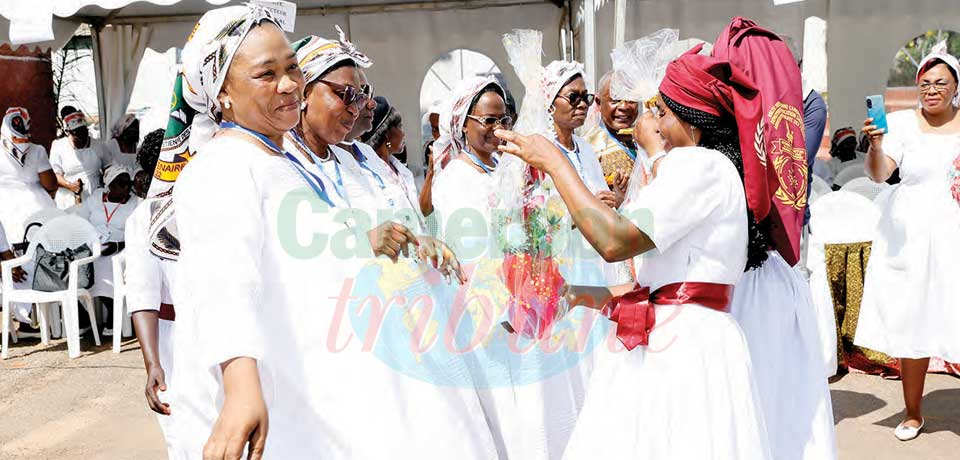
{"type": "Point", "coordinates": [720, 134]}
{"type": "Point", "coordinates": [149, 153]}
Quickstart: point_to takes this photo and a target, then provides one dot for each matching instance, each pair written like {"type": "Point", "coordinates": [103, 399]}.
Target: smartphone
{"type": "Point", "coordinates": [876, 110]}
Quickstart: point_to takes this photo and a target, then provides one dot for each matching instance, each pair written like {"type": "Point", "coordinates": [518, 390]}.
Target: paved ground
{"type": "Point", "coordinates": [92, 407]}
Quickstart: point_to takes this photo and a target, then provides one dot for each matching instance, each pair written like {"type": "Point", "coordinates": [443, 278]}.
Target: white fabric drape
{"type": "Point", "coordinates": [120, 50]}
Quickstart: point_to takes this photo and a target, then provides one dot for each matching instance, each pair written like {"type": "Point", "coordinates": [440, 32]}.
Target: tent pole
{"type": "Point", "coordinates": [97, 72]}
{"type": "Point", "coordinates": [589, 41]}
{"type": "Point", "coordinates": [619, 22]}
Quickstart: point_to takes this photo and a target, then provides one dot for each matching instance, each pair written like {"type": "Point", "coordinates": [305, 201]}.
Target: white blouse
{"type": "Point", "coordinates": [148, 278]}
{"type": "Point", "coordinates": [110, 219]}
{"type": "Point", "coordinates": [85, 164]}
{"type": "Point", "coordinates": [399, 190]}
{"type": "Point", "coordinates": [116, 157]}
{"type": "Point", "coordinates": [695, 213]}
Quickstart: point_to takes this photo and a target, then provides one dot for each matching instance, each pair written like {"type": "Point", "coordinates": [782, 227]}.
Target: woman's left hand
{"type": "Point", "coordinates": [534, 149]}
{"type": "Point", "coordinates": [620, 181]}
{"type": "Point", "coordinates": [441, 257]}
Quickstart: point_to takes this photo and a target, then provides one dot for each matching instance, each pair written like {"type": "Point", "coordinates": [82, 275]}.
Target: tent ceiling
{"type": "Point", "coordinates": [136, 11]}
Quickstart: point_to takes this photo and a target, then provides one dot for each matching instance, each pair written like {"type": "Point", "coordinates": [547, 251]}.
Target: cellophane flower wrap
{"type": "Point", "coordinates": [530, 229]}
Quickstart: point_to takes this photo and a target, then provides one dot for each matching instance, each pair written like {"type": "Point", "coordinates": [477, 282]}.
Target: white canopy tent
{"type": "Point", "coordinates": [404, 37]}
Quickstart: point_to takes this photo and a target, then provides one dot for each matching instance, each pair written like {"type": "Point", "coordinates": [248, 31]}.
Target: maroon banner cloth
{"type": "Point", "coordinates": [768, 62]}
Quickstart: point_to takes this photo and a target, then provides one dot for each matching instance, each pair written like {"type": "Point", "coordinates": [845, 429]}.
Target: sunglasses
{"type": "Point", "coordinates": [349, 94]}
{"type": "Point", "coordinates": [576, 98]}
{"type": "Point", "coordinates": [491, 122]}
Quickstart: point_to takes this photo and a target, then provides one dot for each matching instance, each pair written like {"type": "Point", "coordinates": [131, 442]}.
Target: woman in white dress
{"type": "Point", "coordinates": [77, 159]}
{"type": "Point", "coordinates": [684, 387]}
{"type": "Point", "coordinates": [108, 209]}
{"type": "Point", "coordinates": [910, 308]}
{"type": "Point", "coordinates": [259, 322]}
{"type": "Point", "coordinates": [386, 139]}
{"type": "Point", "coordinates": [26, 182]}
{"type": "Point", "coordinates": [569, 101]}
{"type": "Point", "coordinates": [149, 297]}
{"type": "Point", "coordinates": [122, 146]}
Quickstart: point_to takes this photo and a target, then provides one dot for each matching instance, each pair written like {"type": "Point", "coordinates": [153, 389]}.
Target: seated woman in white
{"type": "Point", "coordinates": [26, 182]}
{"type": "Point", "coordinates": [108, 209]}
{"type": "Point", "coordinates": [684, 387]}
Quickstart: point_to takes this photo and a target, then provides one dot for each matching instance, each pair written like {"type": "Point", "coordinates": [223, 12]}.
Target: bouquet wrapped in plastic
{"type": "Point", "coordinates": [531, 228]}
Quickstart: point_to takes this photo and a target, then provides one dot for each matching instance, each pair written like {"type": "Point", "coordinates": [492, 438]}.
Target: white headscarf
{"type": "Point", "coordinates": [122, 124]}
{"type": "Point", "coordinates": [453, 115]}
{"type": "Point", "coordinates": [940, 52]}
{"type": "Point", "coordinates": [74, 121]}
{"type": "Point", "coordinates": [316, 54]}
{"type": "Point", "coordinates": [195, 109]}
{"type": "Point", "coordinates": [112, 172]}
{"type": "Point", "coordinates": [13, 133]}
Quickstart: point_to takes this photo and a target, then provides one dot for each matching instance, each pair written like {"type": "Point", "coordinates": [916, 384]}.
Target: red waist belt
{"type": "Point", "coordinates": [634, 312]}
{"type": "Point", "coordinates": [167, 312]}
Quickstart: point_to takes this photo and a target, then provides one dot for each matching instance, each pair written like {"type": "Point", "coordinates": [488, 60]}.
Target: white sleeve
{"type": "Point", "coordinates": [3, 239]}
{"type": "Point", "coordinates": [143, 274]}
{"type": "Point", "coordinates": [56, 156]}
{"type": "Point", "coordinates": [220, 222]}
{"type": "Point", "coordinates": [898, 125]}
{"type": "Point", "coordinates": [689, 187]}
{"type": "Point", "coordinates": [39, 158]}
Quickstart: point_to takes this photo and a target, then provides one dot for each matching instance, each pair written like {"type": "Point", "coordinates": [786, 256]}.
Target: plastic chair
{"type": "Point", "coordinates": [837, 217]}
{"type": "Point", "coordinates": [56, 235]}
{"type": "Point", "coordinates": [866, 187]}
{"type": "Point", "coordinates": [122, 325]}
{"type": "Point", "coordinates": [850, 171]}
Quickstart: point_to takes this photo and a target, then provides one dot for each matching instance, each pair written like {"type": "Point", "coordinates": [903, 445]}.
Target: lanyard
{"type": "Point", "coordinates": [576, 150]}
{"type": "Point", "coordinates": [109, 215]}
{"type": "Point", "coordinates": [316, 184]}
{"type": "Point", "coordinates": [338, 184]}
{"type": "Point", "coordinates": [631, 152]}
{"type": "Point", "coordinates": [486, 169]}
{"type": "Point", "coordinates": [362, 160]}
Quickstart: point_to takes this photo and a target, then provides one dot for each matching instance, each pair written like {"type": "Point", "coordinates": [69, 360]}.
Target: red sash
{"type": "Point", "coordinates": [634, 312]}
{"type": "Point", "coordinates": [167, 312]}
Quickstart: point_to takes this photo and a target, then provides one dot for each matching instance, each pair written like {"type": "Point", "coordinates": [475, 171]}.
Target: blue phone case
{"type": "Point", "coordinates": [876, 110]}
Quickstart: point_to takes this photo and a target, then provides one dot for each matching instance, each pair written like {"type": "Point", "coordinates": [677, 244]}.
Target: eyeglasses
{"type": "Point", "coordinates": [938, 86]}
{"type": "Point", "coordinates": [490, 122]}
{"type": "Point", "coordinates": [349, 94]}
{"type": "Point", "coordinates": [576, 98]}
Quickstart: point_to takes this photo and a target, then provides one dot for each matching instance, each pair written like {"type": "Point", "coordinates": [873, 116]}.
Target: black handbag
{"type": "Point", "coordinates": [53, 269]}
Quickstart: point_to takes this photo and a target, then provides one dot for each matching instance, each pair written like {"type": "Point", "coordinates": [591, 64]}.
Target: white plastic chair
{"type": "Point", "coordinates": [40, 217]}
{"type": "Point", "coordinates": [835, 218]}
{"type": "Point", "coordinates": [850, 171]}
{"type": "Point", "coordinates": [122, 325]}
{"type": "Point", "coordinates": [56, 235]}
{"type": "Point", "coordinates": [866, 187]}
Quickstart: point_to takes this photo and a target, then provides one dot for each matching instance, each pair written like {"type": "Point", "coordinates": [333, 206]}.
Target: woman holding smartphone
{"type": "Point", "coordinates": [909, 307]}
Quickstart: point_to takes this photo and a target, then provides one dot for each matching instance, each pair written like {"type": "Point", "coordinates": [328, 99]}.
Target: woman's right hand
{"type": "Point", "coordinates": [391, 239]}
{"type": "Point", "coordinates": [156, 382]}
{"type": "Point", "coordinates": [75, 187]}
{"type": "Point", "coordinates": [874, 134]}
{"type": "Point", "coordinates": [646, 134]}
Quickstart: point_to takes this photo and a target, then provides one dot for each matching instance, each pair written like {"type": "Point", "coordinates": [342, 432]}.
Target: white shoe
{"type": "Point", "coordinates": [906, 433]}
{"type": "Point", "coordinates": [107, 332]}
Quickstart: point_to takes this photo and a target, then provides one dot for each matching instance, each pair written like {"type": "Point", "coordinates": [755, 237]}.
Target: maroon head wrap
{"type": "Point", "coordinates": [718, 88]}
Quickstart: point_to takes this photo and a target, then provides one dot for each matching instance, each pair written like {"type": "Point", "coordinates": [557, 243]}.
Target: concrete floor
{"type": "Point", "coordinates": [92, 407]}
